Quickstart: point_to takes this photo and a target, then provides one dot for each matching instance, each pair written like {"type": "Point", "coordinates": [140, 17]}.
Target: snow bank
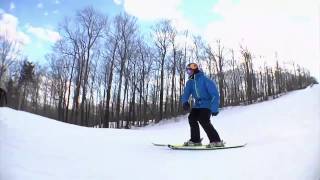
{"type": "Point", "coordinates": [283, 137]}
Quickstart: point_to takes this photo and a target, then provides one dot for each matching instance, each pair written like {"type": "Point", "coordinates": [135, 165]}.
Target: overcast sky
{"type": "Point", "coordinates": [288, 27]}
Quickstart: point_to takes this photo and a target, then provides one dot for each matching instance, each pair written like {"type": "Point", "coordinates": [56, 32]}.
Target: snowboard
{"type": "Point", "coordinates": [160, 144]}
{"type": "Point", "coordinates": [203, 147]}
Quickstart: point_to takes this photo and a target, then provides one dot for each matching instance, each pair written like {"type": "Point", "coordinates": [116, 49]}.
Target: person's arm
{"type": "Point", "coordinates": [213, 91]}
{"type": "Point", "coordinates": [186, 93]}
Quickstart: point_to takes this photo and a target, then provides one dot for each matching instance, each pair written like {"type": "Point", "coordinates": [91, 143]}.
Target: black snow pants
{"type": "Point", "coordinates": [202, 115]}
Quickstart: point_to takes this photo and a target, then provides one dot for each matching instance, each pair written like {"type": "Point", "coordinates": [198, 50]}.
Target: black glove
{"type": "Point", "coordinates": [186, 106]}
{"type": "Point", "coordinates": [214, 113]}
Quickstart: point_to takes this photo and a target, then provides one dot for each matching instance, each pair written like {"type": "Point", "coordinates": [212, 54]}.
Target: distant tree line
{"type": "Point", "coordinates": [104, 72]}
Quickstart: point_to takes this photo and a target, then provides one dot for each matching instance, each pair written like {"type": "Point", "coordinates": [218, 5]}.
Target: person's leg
{"type": "Point", "coordinates": [194, 126]}
{"type": "Point", "coordinates": [204, 120]}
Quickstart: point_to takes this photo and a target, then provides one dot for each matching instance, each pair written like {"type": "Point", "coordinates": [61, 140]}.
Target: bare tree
{"type": "Point", "coordinates": [80, 39]}
{"type": "Point", "coordinates": [125, 27]}
{"type": "Point", "coordinates": [172, 38]}
{"type": "Point", "coordinates": [235, 81]}
{"type": "Point", "coordinates": [9, 51]}
{"type": "Point", "coordinates": [248, 67]}
{"type": "Point", "coordinates": [111, 43]}
{"type": "Point", "coordinates": [93, 24]}
{"type": "Point", "coordinates": [161, 33]}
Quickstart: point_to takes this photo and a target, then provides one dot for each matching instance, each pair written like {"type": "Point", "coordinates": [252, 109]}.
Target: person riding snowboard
{"type": "Point", "coordinates": [206, 96]}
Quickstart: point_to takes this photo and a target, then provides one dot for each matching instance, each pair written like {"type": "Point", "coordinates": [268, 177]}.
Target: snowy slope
{"type": "Point", "coordinates": [283, 137]}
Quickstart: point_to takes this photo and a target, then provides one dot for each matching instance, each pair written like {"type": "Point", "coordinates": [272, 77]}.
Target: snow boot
{"type": "Point", "coordinates": [216, 144]}
{"type": "Point", "coordinates": [191, 143]}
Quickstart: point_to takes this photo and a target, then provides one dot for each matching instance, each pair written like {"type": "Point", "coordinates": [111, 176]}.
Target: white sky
{"type": "Point", "coordinates": [288, 27]}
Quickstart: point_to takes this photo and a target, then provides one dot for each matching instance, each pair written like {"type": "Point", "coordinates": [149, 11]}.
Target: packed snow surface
{"type": "Point", "coordinates": [283, 137]}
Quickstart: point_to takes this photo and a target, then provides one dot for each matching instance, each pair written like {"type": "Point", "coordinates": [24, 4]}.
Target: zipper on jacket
{"type": "Point", "coordinates": [195, 87]}
{"type": "Point", "coordinates": [212, 99]}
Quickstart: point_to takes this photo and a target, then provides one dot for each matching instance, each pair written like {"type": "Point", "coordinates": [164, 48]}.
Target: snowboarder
{"type": "Point", "coordinates": [206, 97]}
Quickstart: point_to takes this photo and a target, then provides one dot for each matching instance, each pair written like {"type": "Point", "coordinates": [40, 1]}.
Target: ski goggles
{"type": "Point", "coordinates": [189, 71]}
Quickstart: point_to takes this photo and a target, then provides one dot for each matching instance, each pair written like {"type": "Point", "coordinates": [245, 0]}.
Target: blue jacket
{"type": "Point", "coordinates": [203, 91]}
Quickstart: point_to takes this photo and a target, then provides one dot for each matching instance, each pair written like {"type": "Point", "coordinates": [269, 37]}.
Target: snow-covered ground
{"type": "Point", "coordinates": [283, 137]}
